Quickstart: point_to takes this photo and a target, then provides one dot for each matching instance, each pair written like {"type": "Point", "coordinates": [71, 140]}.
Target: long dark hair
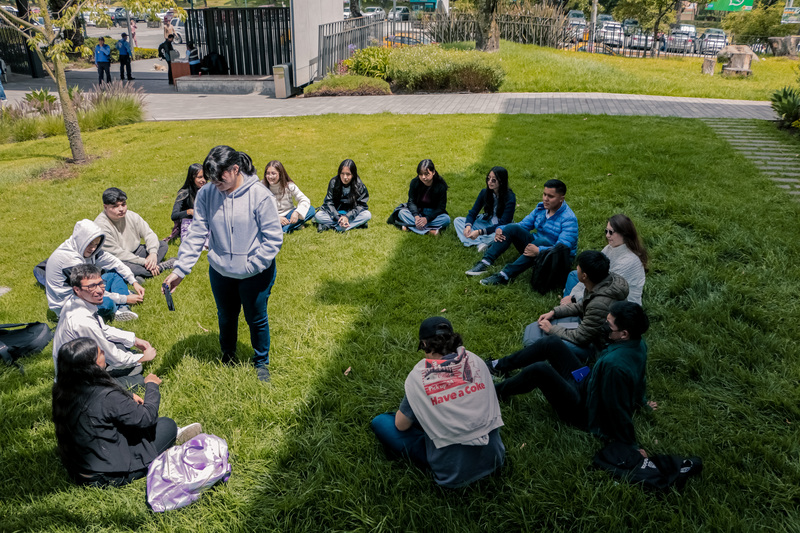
{"type": "Point", "coordinates": [77, 376]}
{"type": "Point", "coordinates": [502, 192]}
{"type": "Point", "coordinates": [624, 226]}
{"type": "Point", "coordinates": [337, 187]}
{"type": "Point", "coordinates": [189, 185]}
{"type": "Point", "coordinates": [283, 177]}
{"type": "Point", "coordinates": [221, 158]}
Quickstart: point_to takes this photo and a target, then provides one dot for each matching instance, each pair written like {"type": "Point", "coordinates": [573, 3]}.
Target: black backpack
{"type": "Point", "coordinates": [658, 472]}
{"type": "Point", "coordinates": [551, 269]}
{"type": "Point", "coordinates": [17, 340]}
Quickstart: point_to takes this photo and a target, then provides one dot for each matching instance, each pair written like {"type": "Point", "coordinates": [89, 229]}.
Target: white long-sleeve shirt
{"type": "Point", "coordinates": [284, 199]}
{"type": "Point", "coordinates": [624, 263]}
{"type": "Point", "coordinates": [79, 318]}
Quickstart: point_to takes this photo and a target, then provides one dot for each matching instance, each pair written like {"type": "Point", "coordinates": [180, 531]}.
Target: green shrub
{"type": "Point", "coordinates": [348, 85]}
{"type": "Point", "coordinates": [51, 125]}
{"type": "Point", "coordinates": [145, 53]}
{"type": "Point", "coordinates": [371, 62]}
{"type": "Point", "coordinates": [431, 68]}
{"type": "Point", "coordinates": [786, 103]}
{"type": "Point", "coordinates": [25, 129]}
{"type": "Point", "coordinates": [111, 113]}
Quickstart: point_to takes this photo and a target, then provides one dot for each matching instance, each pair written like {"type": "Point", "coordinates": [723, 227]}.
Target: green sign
{"type": "Point", "coordinates": [731, 5]}
{"type": "Point", "coordinates": [791, 15]}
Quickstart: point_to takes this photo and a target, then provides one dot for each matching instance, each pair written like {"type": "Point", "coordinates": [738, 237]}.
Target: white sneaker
{"type": "Point", "coordinates": [124, 314]}
{"type": "Point", "coordinates": [188, 432]}
{"type": "Point", "coordinates": [482, 247]}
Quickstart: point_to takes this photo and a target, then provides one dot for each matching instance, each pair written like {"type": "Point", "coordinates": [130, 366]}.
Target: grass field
{"type": "Point", "coordinates": [724, 357]}
{"type": "Point", "coordinates": [536, 69]}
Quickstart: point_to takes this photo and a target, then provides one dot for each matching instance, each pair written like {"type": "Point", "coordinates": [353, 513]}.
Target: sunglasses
{"type": "Point", "coordinates": [610, 231]}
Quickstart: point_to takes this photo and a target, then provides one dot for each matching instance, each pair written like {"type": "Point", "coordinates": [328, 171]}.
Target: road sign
{"type": "Point", "coordinates": [791, 15]}
{"type": "Point", "coordinates": [731, 5]}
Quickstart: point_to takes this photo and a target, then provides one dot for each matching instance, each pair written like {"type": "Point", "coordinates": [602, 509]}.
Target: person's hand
{"type": "Point", "coordinates": [531, 250]}
{"type": "Point", "coordinates": [148, 355]}
{"type": "Point", "coordinates": [565, 300]}
{"type": "Point", "coordinates": [643, 453]}
{"type": "Point", "coordinates": [138, 399]}
{"type": "Point", "coordinates": [152, 378]}
{"type": "Point", "coordinates": [295, 217]}
{"type": "Point", "coordinates": [468, 232]}
{"type": "Point", "coordinates": [545, 325]}
{"type": "Point", "coordinates": [420, 222]}
{"type": "Point", "coordinates": [172, 281]}
{"type": "Point", "coordinates": [474, 234]}
{"type": "Point", "coordinates": [151, 264]}
{"type": "Point", "coordinates": [653, 405]}
{"type": "Point", "coordinates": [547, 316]}
{"type": "Point", "coordinates": [134, 298]}
{"type": "Point", "coordinates": [498, 235]}
{"type": "Point", "coordinates": [141, 344]}
{"type": "Point", "coordinates": [138, 288]}
{"type": "Point", "coordinates": [190, 212]}
{"type": "Point", "coordinates": [343, 222]}
{"type": "Point", "coordinates": [284, 221]}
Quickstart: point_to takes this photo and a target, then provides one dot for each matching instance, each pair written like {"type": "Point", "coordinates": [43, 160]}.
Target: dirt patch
{"type": "Point", "coordinates": [66, 170]}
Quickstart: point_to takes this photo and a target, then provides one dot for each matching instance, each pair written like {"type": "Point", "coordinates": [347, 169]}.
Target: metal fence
{"type": "Point", "coordinates": [338, 40]}
{"type": "Point", "coordinates": [252, 40]}
{"type": "Point", "coordinates": [18, 56]}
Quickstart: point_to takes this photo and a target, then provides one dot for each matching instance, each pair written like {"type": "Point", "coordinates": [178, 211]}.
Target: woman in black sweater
{"type": "Point", "coordinates": [106, 435]}
{"type": "Point", "coordinates": [426, 209]}
{"type": "Point", "coordinates": [183, 209]}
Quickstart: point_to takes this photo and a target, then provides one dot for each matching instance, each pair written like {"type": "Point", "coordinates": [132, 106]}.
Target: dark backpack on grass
{"type": "Point", "coordinates": [17, 340]}
{"type": "Point", "coordinates": [658, 472]}
{"type": "Point", "coordinates": [550, 271]}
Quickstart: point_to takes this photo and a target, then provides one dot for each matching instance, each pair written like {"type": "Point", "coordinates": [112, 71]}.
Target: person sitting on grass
{"type": "Point", "coordinates": [84, 247]}
{"type": "Point", "coordinates": [601, 400]}
{"type": "Point", "coordinates": [498, 203]}
{"type": "Point", "coordinates": [426, 210]}
{"type": "Point", "coordinates": [79, 318]}
{"type": "Point", "coordinates": [183, 208]}
{"type": "Point", "coordinates": [628, 258]}
{"type": "Point", "coordinates": [554, 222]}
{"type": "Point", "coordinates": [125, 231]}
{"type": "Point", "coordinates": [286, 194]}
{"type": "Point", "coordinates": [449, 419]}
{"type": "Point", "coordinates": [106, 435]}
{"type": "Point", "coordinates": [580, 325]}
{"type": "Point", "coordinates": [345, 204]}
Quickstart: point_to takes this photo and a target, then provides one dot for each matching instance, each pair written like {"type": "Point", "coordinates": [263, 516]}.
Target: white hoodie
{"type": "Point", "coordinates": [70, 254]}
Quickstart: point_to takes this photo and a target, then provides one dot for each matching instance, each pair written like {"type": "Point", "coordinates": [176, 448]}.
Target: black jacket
{"type": "Point", "coordinates": [334, 200]}
{"type": "Point", "coordinates": [164, 50]}
{"type": "Point", "coordinates": [437, 197]}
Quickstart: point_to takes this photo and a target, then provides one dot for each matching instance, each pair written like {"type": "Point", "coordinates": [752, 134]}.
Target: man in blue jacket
{"type": "Point", "coordinates": [124, 48]}
{"type": "Point", "coordinates": [102, 59]}
{"type": "Point", "coordinates": [554, 222]}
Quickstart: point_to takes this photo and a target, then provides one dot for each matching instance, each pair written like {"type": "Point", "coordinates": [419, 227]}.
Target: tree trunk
{"type": "Point", "coordinates": [784, 46]}
{"type": "Point", "coordinates": [355, 11]}
{"type": "Point", "coordinates": [487, 37]}
{"type": "Point", "coordinates": [68, 113]}
{"type": "Point", "coordinates": [655, 36]}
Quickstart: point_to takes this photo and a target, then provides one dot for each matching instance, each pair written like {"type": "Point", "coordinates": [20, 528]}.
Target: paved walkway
{"type": "Point", "coordinates": [163, 103]}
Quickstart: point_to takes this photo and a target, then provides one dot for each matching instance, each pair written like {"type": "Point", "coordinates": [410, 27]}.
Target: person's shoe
{"type": "Point", "coordinates": [228, 359]}
{"type": "Point", "coordinates": [495, 279]}
{"type": "Point", "coordinates": [188, 432]}
{"type": "Point", "coordinates": [494, 371]}
{"type": "Point", "coordinates": [482, 247]}
{"type": "Point", "coordinates": [404, 228]}
{"type": "Point", "coordinates": [263, 374]}
{"type": "Point", "coordinates": [131, 79]}
{"type": "Point", "coordinates": [322, 227]}
{"type": "Point", "coordinates": [480, 268]}
{"type": "Point", "coordinates": [140, 280]}
{"type": "Point", "coordinates": [434, 232]}
{"type": "Point", "coordinates": [169, 264]}
{"type": "Point", "coordinates": [124, 314]}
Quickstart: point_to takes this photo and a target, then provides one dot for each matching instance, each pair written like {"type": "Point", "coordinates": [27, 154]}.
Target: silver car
{"type": "Point", "coordinates": [376, 12]}
{"type": "Point", "coordinates": [710, 41]}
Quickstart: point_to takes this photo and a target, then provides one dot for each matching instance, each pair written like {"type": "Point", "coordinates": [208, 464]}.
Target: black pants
{"type": "Point", "coordinates": [130, 377]}
{"type": "Point", "coordinates": [162, 435]}
{"type": "Point", "coordinates": [104, 66]}
{"type": "Point", "coordinates": [141, 251]}
{"type": "Point", "coordinates": [194, 69]}
{"type": "Point", "coordinates": [169, 73]}
{"type": "Point", "coordinates": [124, 63]}
{"type": "Point", "coordinates": [547, 364]}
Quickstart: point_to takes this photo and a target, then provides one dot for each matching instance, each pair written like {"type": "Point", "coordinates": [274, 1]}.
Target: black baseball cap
{"type": "Point", "coordinates": [433, 326]}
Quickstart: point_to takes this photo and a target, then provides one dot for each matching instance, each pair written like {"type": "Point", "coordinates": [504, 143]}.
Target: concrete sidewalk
{"type": "Point", "coordinates": [163, 103]}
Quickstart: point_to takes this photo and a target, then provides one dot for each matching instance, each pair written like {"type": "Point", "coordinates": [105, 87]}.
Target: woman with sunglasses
{"type": "Point", "coordinates": [241, 218]}
{"type": "Point", "coordinates": [498, 203]}
{"type": "Point", "coordinates": [628, 258]}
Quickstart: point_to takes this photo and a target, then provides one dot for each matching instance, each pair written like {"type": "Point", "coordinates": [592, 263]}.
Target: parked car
{"type": "Point", "coordinates": [630, 26]}
{"type": "Point", "coordinates": [346, 14]}
{"type": "Point", "coordinates": [575, 14]}
{"type": "Point", "coordinates": [640, 41]}
{"type": "Point", "coordinates": [395, 41]}
{"type": "Point", "coordinates": [418, 36]}
{"type": "Point", "coordinates": [602, 19]}
{"type": "Point", "coordinates": [576, 30]}
{"type": "Point", "coordinates": [376, 12]}
{"type": "Point", "coordinates": [611, 34]}
{"type": "Point", "coordinates": [678, 41]}
{"type": "Point", "coordinates": [399, 13]}
{"type": "Point", "coordinates": [690, 29]}
{"type": "Point", "coordinates": [710, 41]}
{"type": "Point", "coordinates": [180, 30]}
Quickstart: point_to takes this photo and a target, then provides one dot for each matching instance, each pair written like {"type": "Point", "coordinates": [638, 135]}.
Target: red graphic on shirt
{"type": "Point", "coordinates": [442, 374]}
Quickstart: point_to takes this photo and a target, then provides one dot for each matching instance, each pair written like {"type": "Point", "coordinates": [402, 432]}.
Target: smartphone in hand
{"type": "Point", "coordinates": [168, 296]}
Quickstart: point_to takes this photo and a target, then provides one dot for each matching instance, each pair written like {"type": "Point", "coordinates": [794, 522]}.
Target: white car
{"type": "Point", "coordinates": [399, 13]}
{"type": "Point", "coordinates": [376, 12]}
{"type": "Point", "coordinates": [346, 14]}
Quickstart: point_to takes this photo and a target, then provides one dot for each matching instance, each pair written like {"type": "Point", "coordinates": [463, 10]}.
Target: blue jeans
{"type": "Point", "coordinates": [114, 283]}
{"type": "Point", "coordinates": [409, 443]}
{"type": "Point", "coordinates": [288, 228]}
{"type": "Point", "coordinates": [520, 238]}
{"type": "Point", "coordinates": [252, 294]}
{"type": "Point", "coordinates": [461, 222]}
{"type": "Point", "coordinates": [322, 217]}
{"type": "Point", "coordinates": [572, 280]}
{"type": "Point", "coordinates": [440, 222]}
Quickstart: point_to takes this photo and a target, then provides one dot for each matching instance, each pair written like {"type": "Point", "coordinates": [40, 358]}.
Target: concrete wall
{"type": "Point", "coordinates": [307, 15]}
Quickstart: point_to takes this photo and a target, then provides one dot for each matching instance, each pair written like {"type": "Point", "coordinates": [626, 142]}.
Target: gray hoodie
{"type": "Point", "coordinates": [70, 254]}
{"type": "Point", "coordinates": [244, 231]}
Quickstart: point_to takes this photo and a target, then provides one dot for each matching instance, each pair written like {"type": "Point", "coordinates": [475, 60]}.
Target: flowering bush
{"type": "Point", "coordinates": [432, 68]}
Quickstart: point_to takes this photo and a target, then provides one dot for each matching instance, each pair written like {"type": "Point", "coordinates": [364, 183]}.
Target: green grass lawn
{"type": "Point", "coordinates": [532, 68]}
{"type": "Point", "coordinates": [722, 295]}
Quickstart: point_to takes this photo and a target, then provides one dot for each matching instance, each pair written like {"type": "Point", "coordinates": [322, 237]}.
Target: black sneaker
{"type": "Point", "coordinates": [322, 227]}
{"type": "Point", "coordinates": [169, 264]}
{"type": "Point", "coordinates": [479, 269]}
{"type": "Point", "coordinates": [228, 359]}
{"type": "Point", "coordinates": [494, 371]}
{"type": "Point", "coordinates": [495, 279]}
{"type": "Point", "coordinates": [263, 374]}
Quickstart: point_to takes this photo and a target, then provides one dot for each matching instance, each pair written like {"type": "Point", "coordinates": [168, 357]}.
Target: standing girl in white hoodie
{"type": "Point", "coordinates": [241, 218]}
{"type": "Point", "coordinates": [286, 194]}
